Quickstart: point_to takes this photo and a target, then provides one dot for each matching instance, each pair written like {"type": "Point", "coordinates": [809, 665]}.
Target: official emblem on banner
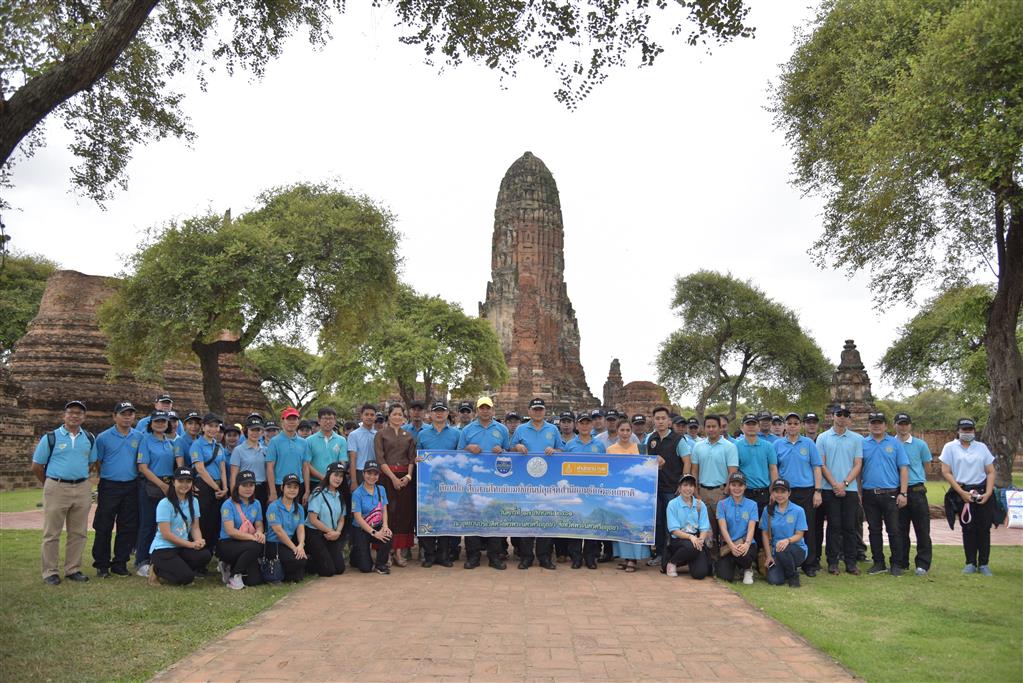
{"type": "Point", "coordinates": [503, 466]}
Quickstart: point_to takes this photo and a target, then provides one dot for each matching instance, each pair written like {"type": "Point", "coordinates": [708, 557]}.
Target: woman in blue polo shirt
{"type": "Point", "coordinates": [178, 551]}
{"type": "Point", "coordinates": [737, 519]}
{"type": "Point", "coordinates": [155, 462]}
{"type": "Point", "coordinates": [250, 454]}
{"type": "Point", "coordinates": [207, 456]}
{"type": "Point", "coordinates": [241, 535]}
{"type": "Point", "coordinates": [783, 525]}
{"type": "Point", "coordinates": [285, 539]}
{"type": "Point", "coordinates": [689, 528]}
{"type": "Point", "coordinates": [369, 521]}
{"type": "Point", "coordinates": [325, 523]}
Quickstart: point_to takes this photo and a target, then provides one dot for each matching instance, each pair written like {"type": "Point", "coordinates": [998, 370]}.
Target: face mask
{"type": "Point", "coordinates": [967, 436]}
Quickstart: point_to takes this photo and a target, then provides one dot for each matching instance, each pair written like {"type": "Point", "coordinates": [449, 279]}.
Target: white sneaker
{"type": "Point", "coordinates": [920, 571]}
{"type": "Point", "coordinates": [671, 570]}
{"type": "Point", "coordinates": [225, 572]}
{"type": "Point", "coordinates": [143, 570]}
{"type": "Point", "coordinates": [235, 582]}
{"type": "Point", "coordinates": [747, 577]}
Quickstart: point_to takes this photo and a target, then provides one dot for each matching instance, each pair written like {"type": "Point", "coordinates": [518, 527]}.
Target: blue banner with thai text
{"type": "Point", "coordinates": [562, 495]}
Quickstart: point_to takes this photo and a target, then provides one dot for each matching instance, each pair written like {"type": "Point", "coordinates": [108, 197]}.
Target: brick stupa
{"type": "Point", "coordinates": [850, 387]}
{"type": "Point", "coordinates": [527, 299]}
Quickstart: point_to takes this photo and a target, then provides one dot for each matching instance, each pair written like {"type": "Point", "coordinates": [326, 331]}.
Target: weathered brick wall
{"type": "Point", "coordinates": [17, 439]}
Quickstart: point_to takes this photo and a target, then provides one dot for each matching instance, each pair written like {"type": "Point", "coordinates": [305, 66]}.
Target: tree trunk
{"type": "Point", "coordinates": [212, 391]}
{"type": "Point", "coordinates": [736, 384]}
{"type": "Point", "coordinates": [701, 403]}
{"type": "Point", "coordinates": [40, 95]}
{"type": "Point", "coordinates": [1004, 431]}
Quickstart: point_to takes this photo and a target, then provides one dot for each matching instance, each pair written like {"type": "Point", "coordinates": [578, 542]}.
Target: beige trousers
{"type": "Point", "coordinates": [65, 504]}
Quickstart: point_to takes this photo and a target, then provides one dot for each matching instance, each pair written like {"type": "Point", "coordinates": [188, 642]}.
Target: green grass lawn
{"type": "Point", "coordinates": [110, 629]}
{"type": "Point", "coordinates": [944, 627]}
{"type": "Point", "coordinates": [936, 489]}
{"type": "Point", "coordinates": [21, 500]}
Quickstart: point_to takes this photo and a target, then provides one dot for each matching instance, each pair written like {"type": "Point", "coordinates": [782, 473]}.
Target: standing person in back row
{"type": "Point", "coordinates": [207, 462]}
{"type": "Point", "coordinates": [483, 435]}
{"type": "Point", "coordinates": [288, 453]}
{"type": "Point", "coordinates": [841, 451]}
{"type": "Point", "coordinates": [396, 453]}
{"type": "Point", "coordinates": [664, 442]}
{"type": "Point", "coordinates": [917, 510]}
{"type": "Point", "coordinates": [439, 435]}
{"type": "Point", "coordinates": [63, 470]}
{"type": "Point", "coordinates": [360, 445]}
{"type": "Point", "coordinates": [799, 463]}
{"type": "Point", "coordinates": [536, 436]}
{"type": "Point", "coordinates": [885, 491]}
{"type": "Point", "coordinates": [117, 499]}
{"type": "Point", "coordinates": [714, 460]}
{"type": "Point", "coordinates": [968, 467]}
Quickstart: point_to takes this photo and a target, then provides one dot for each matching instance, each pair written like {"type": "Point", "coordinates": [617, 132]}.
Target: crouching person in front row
{"type": "Point", "coordinates": [783, 525]}
{"type": "Point", "coordinates": [286, 538]}
{"type": "Point", "coordinates": [369, 519]}
{"type": "Point", "coordinates": [689, 529]}
{"type": "Point", "coordinates": [737, 518]}
{"type": "Point", "coordinates": [326, 523]}
{"type": "Point", "coordinates": [241, 535]}
{"type": "Point", "coordinates": [178, 552]}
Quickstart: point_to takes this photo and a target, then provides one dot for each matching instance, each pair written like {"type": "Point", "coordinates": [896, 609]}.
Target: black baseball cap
{"type": "Point", "coordinates": [272, 427]}
{"type": "Point", "coordinates": [763, 415]}
{"type": "Point", "coordinates": [876, 417]}
{"type": "Point", "coordinates": [211, 418]}
{"type": "Point", "coordinates": [537, 403]}
{"type": "Point", "coordinates": [379, 417]}
{"type": "Point", "coordinates": [596, 412]}
{"type": "Point", "coordinates": [465, 407]}
{"type": "Point", "coordinates": [737, 476]}
{"type": "Point", "coordinates": [417, 404]}
{"type": "Point", "coordinates": [566, 416]}
{"type": "Point", "coordinates": [966, 423]}
{"type": "Point", "coordinates": [334, 467]}
{"type": "Point", "coordinates": [678, 420]}
{"type": "Point", "coordinates": [901, 418]}
{"type": "Point", "coordinates": [246, 477]}
{"type": "Point", "coordinates": [172, 415]}
{"type": "Point", "coordinates": [192, 416]}
{"type": "Point", "coordinates": [638, 420]}
{"type": "Point", "coordinates": [371, 465]}
{"type": "Point", "coordinates": [811, 417]}
{"type": "Point", "coordinates": [512, 416]}
{"type": "Point", "coordinates": [232, 428]}
{"type": "Point", "coordinates": [776, 418]}
{"type": "Point", "coordinates": [841, 410]}
{"type": "Point", "coordinates": [158, 415]}
{"type": "Point", "coordinates": [183, 473]}
{"type": "Point", "coordinates": [781, 484]}
{"type": "Point", "coordinates": [793, 414]}
{"type": "Point", "coordinates": [612, 414]}
{"type": "Point", "coordinates": [254, 421]}
{"type": "Point", "coordinates": [439, 405]}
{"type": "Point", "coordinates": [750, 418]}
{"type": "Point", "coordinates": [164, 397]}
{"type": "Point", "coordinates": [75, 402]}
{"type": "Point", "coordinates": [123, 407]}
{"type": "Point", "coordinates": [290, 479]}
{"type": "Point", "coordinates": [304, 424]}
{"type": "Point", "coordinates": [693, 422]}
{"type": "Point", "coordinates": [584, 417]}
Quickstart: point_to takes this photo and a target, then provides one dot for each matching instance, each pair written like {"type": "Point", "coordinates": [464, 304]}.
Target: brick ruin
{"type": "Point", "coordinates": [527, 300]}
{"type": "Point", "coordinates": [638, 397]}
{"type": "Point", "coordinates": [850, 387]}
{"type": "Point", "coordinates": [63, 356]}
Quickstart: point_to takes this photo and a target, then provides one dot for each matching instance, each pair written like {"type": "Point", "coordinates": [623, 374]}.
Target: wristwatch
{"type": "Point", "coordinates": [845, 483]}
{"type": "Point", "coordinates": [817, 490]}
{"type": "Point", "coordinates": [903, 493]}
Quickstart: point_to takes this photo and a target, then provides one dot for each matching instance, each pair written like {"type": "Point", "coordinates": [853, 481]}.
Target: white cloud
{"type": "Point", "coordinates": [642, 470]}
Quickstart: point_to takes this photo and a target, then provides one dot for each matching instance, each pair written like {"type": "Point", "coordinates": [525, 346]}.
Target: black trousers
{"type": "Point", "coordinates": [209, 509]}
{"type": "Point", "coordinates": [786, 564]}
{"type": "Point", "coordinates": [918, 513]}
{"type": "Point", "coordinates": [682, 551]}
{"type": "Point", "coordinates": [243, 558]}
{"type": "Point", "coordinates": [294, 568]}
{"type": "Point", "coordinates": [539, 548]}
{"type": "Point", "coordinates": [147, 524]}
{"type": "Point", "coordinates": [177, 566]}
{"type": "Point", "coordinates": [326, 558]}
{"type": "Point", "coordinates": [728, 563]}
{"type": "Point", "coordinates": [435, 549]}
{"type": "Point", "coordinates": [882, 509]}
{"type": "Point", "coordinates": [842, 540]}
{"type": "Point", "coordinates": [803, 497]}
{"type": "Point", "coordinates": [474, 546]}
{"type": "Point", "coordinates": [361, 551]}
{"type": "Point", "coordinates": [977, 534]}
{"type": "Point", "coordinates": [262, 495]}
{"type": "Point", "coordinates": [661, 537]}
{"type": "Point", "coordinates": [117, 502]}
{"type": "Point", "coordinates": [578, 549]}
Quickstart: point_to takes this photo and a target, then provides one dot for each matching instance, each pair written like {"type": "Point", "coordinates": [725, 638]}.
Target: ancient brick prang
{"type": "Point", "coordinates": [850, 387]}
{"type": "Point", "coordinates": [527, 300]}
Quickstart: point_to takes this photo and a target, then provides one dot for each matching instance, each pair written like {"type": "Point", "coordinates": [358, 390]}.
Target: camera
{"type": "Point", "coordinates": [975, 496]}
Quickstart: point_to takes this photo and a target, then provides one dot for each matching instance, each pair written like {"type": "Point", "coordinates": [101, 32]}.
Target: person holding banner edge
{"type": "Point", "coordinates": [584, 551]}
{"type": "Point", "coordinates": [536, 436]}
{"type": "Point", "coordinates": [439, 435]}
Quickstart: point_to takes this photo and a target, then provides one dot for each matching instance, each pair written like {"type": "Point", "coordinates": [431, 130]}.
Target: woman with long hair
{"type": "Point", "coordinates": [369, 522]}
{"type": "Point", "coordinates": [396, 453]}
{"type": "Point", "coordinates": [782, 526]}
{"type": "Point", "coordinates": [688, 530]}
{"type": "Point", "coordinates": [241, 535]}
{"type": "Point", "coordinates": [178, 551]}
{"type": "Point", "coordinates": [325, 523]}
{"type": "Point", "coordinates": [250, 454]}
{"type": "Point", "coordinates": [286, 537]}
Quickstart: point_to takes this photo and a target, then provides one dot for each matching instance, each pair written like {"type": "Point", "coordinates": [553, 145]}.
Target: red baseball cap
{"type": "Point", "coordinates": [289, 412]}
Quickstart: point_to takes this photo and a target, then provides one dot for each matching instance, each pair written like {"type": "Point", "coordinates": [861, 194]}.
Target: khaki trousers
{"type": "Point", "coordinates": [65, 505]}
{"type": "Point", "coordinates": [711, 497]}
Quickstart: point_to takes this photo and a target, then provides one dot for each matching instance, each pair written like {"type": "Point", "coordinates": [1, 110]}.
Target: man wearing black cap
{"type": "Point", "coordinates": [811, 426]}
{"type": "Point", "coordinates": [465, 415]}
{"type": "Point", "coordinates": [566, 426]}
{"type": "Point", "coordinates": [885, 490]}
{"type": "Point", "coordinates": [415, 422]}
{"type": "Point", "coordinates": [61, 464]}
{"type": "Point", "coordinates": [799, 462]}
{"type": "Point", "coordinates": [764, 418]}
{"type": "Point", "coordinates": [183, 442]}
{"type": "Point", "coordinates": [117, 500]}
{"type": "Point", "coordinates": [917, 510]}
{"type": "Point", "coordinates": [597, 417]}
{"type": "Point", "coordinates": [536, 436]}
{"type": "Point", "coordinates": [512, 420]}
{"type": "Point", "coordinates": [437, 436]}
{"type": "Point", "coordinates": [163, 402]}
{"type": "Point", "coordinates": [639, 431]}
{"type": "Point", "coordinates": [841, 451]}
{"type": "Point", "coordinates": [758, 461]}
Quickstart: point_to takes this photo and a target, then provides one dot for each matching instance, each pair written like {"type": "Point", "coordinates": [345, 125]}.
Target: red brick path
{"type": "Point", "coordinates": [483, 625]}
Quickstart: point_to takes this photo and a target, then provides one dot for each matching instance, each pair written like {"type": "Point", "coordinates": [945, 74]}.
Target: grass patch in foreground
{"type": "Point", "coordinates": [21, 500]}
{"type": "Point", "coordinates": [942, 627]}
{"type": "Point", "coordinates": [936, 489]}
{"type": "Point", "coordinates": [107, 629]}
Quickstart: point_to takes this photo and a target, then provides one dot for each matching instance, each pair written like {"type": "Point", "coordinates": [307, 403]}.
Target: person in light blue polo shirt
{"type": "Point", "coordinates": [361, 445]}
{"type": "Point", "coordinates": [536, 436]}
{"type": "Point", "coordinates": [439, 435]}
{"type": "Point", "coordinates": [288, 453]}
{"type": "Point", "coordinates": [782, 526]}
{"type": "Point", "coordinates": [841, 451]}
{"type": "Point", "coordinates": [325, 446]}
{"type": "Point", "coordinates": [713, 460]}
{"type": "Point", "coordinates": [579, 550]}
{"type": "Point", "coordinates": [250, 456]}
{"type": "Point", "coordinates": [285, 523]}
{"type": "Point", "coordinates": [799, 463]}
{"type": "Point", "coordinates": [917, 510]}
{"type": "Point", "coordinates": [737, 524]}
{"type": "Point", "coordinates": [885, 484]}
{"type": "Point", "coordinates": [183, 442]}
{"type": "Point", "coordinates": [156, 464]}
{"type": "Point", "coordinates": [484, 435]}
{"type": "Point", "coordinates": [689, 529]}
{"type": "Point", "coordinates": [117, 497]}
{"type": "Point", "coordinates": [207, 458]}
{"type": "Point", "coordinates": [165, 404]}
{"type": "Point", "coordinates": [758, 461]}
{"type": "Point", "coordinates": [179, 552]}
{"type": "Point", "coordinates": [63, 470]}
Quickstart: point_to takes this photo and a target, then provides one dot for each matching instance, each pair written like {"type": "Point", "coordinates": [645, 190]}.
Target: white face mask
{"type": "Point", "coordinates": [967, 436]}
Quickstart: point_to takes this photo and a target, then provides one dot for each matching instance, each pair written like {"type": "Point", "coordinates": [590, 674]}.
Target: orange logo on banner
{"type": "Point", "coordinates": [584, 469]}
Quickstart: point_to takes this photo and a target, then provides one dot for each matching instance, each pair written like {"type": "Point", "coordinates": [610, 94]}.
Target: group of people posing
{"type": "Point", "coordinates": [257, 496]}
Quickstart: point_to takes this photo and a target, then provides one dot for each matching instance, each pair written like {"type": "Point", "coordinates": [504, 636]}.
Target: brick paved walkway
{"type": "Point", "coordinates": [482, 625]}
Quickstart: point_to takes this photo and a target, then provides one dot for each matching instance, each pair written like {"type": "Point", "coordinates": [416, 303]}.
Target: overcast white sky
{"type": "Point", "coordinates": [662, 172]}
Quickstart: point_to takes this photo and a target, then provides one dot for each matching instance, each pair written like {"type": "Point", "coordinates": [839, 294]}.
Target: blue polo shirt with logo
{"type": "Point", "coordinates": [797, 460]}
{"type": "Point", "coordinates": [577, 446]}
{"type": "Point", "coordinates": [494, 434]}
{"type": "Point", "coordinates": [432, 440]}
{"type": "Point", "coordinates": [116, 454]}
{"type": "Point", "coordinates": [537, 440]}
{"type": "Point", "coordinates": [71, 455]}
{"type": "Point", "coordinates": [881, 462]}
{"type": "Point", "coordinates": [287, 454]}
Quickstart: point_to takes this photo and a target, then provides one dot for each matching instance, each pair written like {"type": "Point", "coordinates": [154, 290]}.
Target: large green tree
{"type": "Point", "coordinates": [22, 281]}
{"type": "Point", "coordinates": [103, 66]}
{"type": "Point", "coordinates": [309, 261]}
{"type": "Point", "coordinates": [424, 342]}
{"type": "Point", "coordinates": [732, 337]}
{"type": "Point", "coordinates": [906, 116]}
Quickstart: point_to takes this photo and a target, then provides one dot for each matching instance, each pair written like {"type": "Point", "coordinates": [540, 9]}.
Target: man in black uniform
{"type": "Point", "coordinates": [663, 443]}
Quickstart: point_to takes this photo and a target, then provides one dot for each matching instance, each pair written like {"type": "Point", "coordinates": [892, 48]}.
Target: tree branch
{"type": "Point", "coordinates": [80, 70]}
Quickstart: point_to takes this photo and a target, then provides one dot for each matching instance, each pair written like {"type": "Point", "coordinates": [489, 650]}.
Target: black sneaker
{"type": "Point", "coordinates": [447, 563]}
{"type": "Point", "coordinates": [794, 581]}
{"type": "Point", "coordinates": [498, 564]}
{"type": "Point", "coordinates": [833, 569]}
{"type": "Point", "coordinates": [547, 564]}
{"type": "Point", "coordinates": [577, 564]}
{"type": "Point", "coordinates": [877, 569]}
{"type": "Point", "coordinates": [471, 564]}
{"type": "Point", "coordinates": [120, 571]}
{"type": "Point", "coordinates": [103, 573]}
{"type": "Point", "coordinates": [811, 572]}
{"type": "Point", "coordinates": [896, 570]}
{"type": "Point", "coordinates": [383, 569]}
{"type": "Point", "coordinates": [524, 565]}
{"type": "Point", "coordinates": [77, 576]}
{"type": "Point", "coordinates": [52, 580]}
{"type": "Point", "coordinates": [427, 563]}
{"type": "Point", "coordinates": [591, 563]}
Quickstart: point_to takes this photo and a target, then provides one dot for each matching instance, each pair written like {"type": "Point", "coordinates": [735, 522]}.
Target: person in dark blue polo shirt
{"type": "Point", "coordinates": [483, 435]}
{"type": "Point", "coordinates": [799, 463]}
{"type": "Point", "coordinates": [183, 442]}
{"type": "Point", "coordinates": [117, 498]}
{"type": "Point", "coordinates": [207, 460]}
{"type": "Point", "coordinates": [536, 436]}
{"type": "Point", "coordinates": [165, 404]}
{"type": "Point", "coordinates": [287, 453]}
{"type": "Point", "coordinates": [782, 526]}
{"type": "Point", "coordinates": [63, 470]}
{"type": "Point", "coordinates": [156, 465]}
{"type": "Point", "coordinates": [415, 423]}
{"type": "Point", "coordinates": [885, 485]}
{"type": "Point", "coordinates": [737, 522]}
{"type": "Point", "coordinates": [439, 435]}
{"type": "Point", "coordinates": [917, 510]}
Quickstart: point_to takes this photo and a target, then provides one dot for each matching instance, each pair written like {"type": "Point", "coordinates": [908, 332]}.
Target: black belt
{"type": "Point", "coordinates": [918, 488]}
{"type": "Point", "coordinates": [711, 488]}
{"type": "Point", "coordinates": [66, 481]}
{"type": "Point", "coordinates": [760, 490]}
{"type": "Point", "coordinates": [882, 492]}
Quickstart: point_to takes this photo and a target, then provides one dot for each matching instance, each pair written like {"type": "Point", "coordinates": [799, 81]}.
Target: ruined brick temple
{"type": "Point", "coordinates": [850, 387]}
{"type": "Point", "coordinates": [527, 300]}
